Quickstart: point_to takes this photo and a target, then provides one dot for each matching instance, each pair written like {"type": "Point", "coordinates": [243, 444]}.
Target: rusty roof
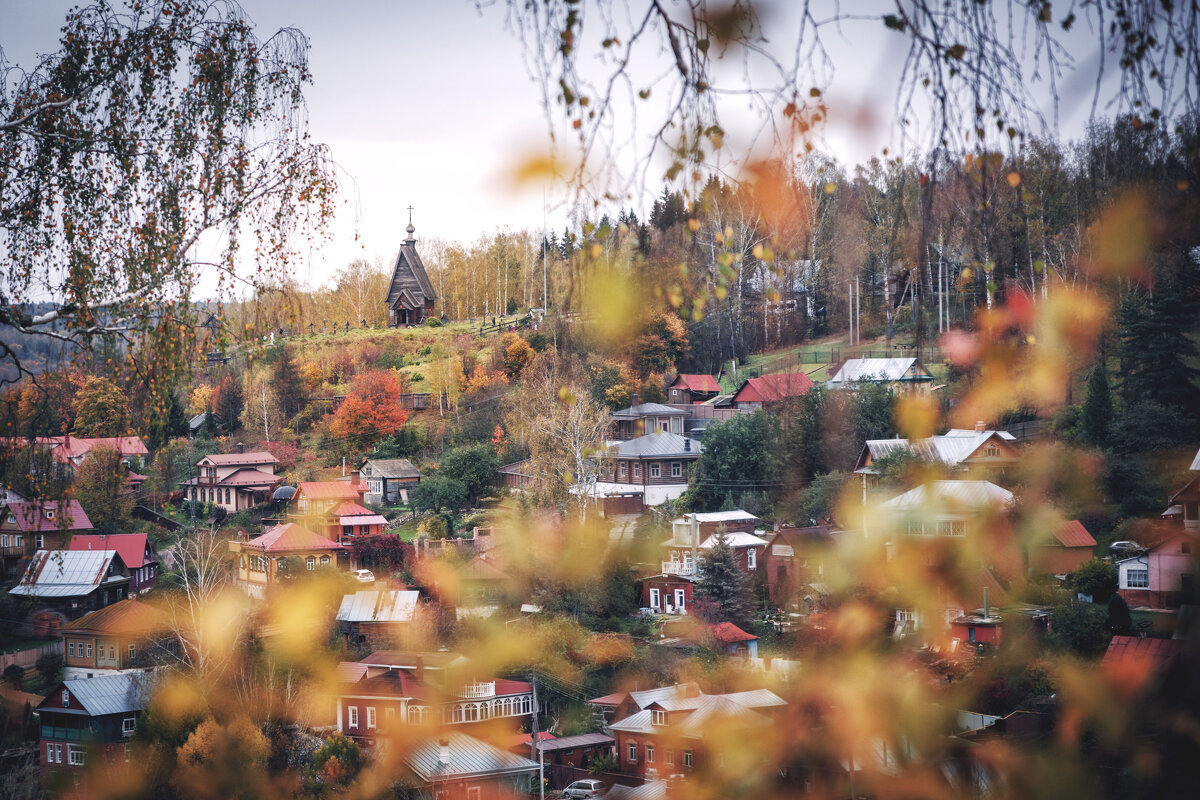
{"type": "Point", "coordinates": [1073, 534]}
{"type": "Point", "coordinates": [127, 616]}
{"type": "Point", "coordinates": [49, 516]}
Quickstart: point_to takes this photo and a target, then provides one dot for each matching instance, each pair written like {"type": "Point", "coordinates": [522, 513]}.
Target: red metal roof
{"type": "Point", "coordinates": [32, 517]}
{"type": "Point", "coordinates": [1073, 534]}
{"type": "Point", "coordinates": [348, 508]}
{"type": "Point", "coordinates": [698, 383]}
{"type": "Point", "coordinates": [67, 447]}
{"type": "Point", "coordinates": [728, 633]}
{"type": "Point", "coordinates": [291, 536]}
{"type": "Point", "coordinates": [233, 459]}
{"type": "Point", "coordinates": [131, 546]}
{"type": "Point", "coordinates": [770, 388]}
{"type": "Point", "coordinates": [1125, 649]}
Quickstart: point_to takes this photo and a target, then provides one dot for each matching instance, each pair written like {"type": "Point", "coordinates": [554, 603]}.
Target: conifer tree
{"type": "Point", "coordinates": [721, 593]}
{"type": "Point", "coordinates": [1096, 423]}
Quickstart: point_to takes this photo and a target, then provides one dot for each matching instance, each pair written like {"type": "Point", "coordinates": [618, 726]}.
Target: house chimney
{"type": "Point", "coordinates": [987, 606]}
{"type": "Point", "coordinates": [636, 400]}
{"type": "Point", "coordinates": [444, 752]}
{"type": "Point", "coordinates": [980, 426]}
{"type": "Point", "coordinates": [354, 478]}
{"type": "Point", "coordinates": [241, 448]}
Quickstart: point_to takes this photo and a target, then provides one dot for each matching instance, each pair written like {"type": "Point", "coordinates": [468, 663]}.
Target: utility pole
{"type": "Point", "coordinates": [536, 752]}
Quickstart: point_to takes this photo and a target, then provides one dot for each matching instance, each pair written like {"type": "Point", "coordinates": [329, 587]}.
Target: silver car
{"type": "Point", "coordinates": [585, 788]}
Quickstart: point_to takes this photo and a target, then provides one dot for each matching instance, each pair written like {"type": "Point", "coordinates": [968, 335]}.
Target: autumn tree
{"type": "Point", "coordinates": [228, 403]}
{"type": "Point", "coordinates": [516, 354]}
{"type": "Point", "coordinates": [262, 412]}
{"type": "Point", "coordinates": [290, 388]}
{"type": "Point", "coordinates": [103, 491]}
{"type": "Point", "coordinates": [45, 405]}
{"type": "Point", "coordinates": [147, 131]}
{"type": "Point", "coordinates": [101, 408]}
{"type": "Point", "coordinates": [371, 410]}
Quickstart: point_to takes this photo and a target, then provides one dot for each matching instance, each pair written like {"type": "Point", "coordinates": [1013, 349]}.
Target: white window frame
{"type": "Point", "coordinates": [658, 717]}
{"type": "Point", "coordinates": [631, 752]}
{"type": "Point", "coordinates": [66, 698]}
{"type": "Point", "coordinates": [353, 717]}
{"type": "Point", "coordinates": [1143, 574]}
{"type": "Point", "coordinates": [637, 471]}
{"type": "Point", "coordinates": [70, 649]}
{"type": "Point", "coordinates": [687, 758]}
{"type": "Point", "coordinates": [676, 469]}
{"type": "Point", "coordinates": [649, 753]}
{"type": "Point", "coordinates": [680, 597]}
{"type": "Point", "coordinates": [128, 724]}
{"type": "Point", "coordinates": [751, 559]}
{"type": "Point", "coordinates": [370, 717]}
{"type": "Point", "coordinates": [39, 541]}
{"type": "Point", "coordinates": [76, 755]}
{"type": "Point", "coordinates": [132, 651]}
{"type": "Point", "coordinates": [655, 598]}
{"type": "Point", "coordinates": [655, 470]}
{"type": "Point", "coordinates": [311, 562]}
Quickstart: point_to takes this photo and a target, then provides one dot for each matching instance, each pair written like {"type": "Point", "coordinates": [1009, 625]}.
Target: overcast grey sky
{"type": "Point", "coordinates": [429, 104]}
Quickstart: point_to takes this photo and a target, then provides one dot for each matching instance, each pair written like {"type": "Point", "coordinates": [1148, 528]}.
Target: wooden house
{"type": "Point", "coordinates": [687, 389]}
{"type": "Point", "coordinates": [389, 480]}
{"type": "Point", "coordinates": [646, 418]}
{"type": "Point", "coordinates": [136, 551]}
{"type": "Point", "coordinates": [770, 390]}
{"type": "Point", "coordinates": [410, 297]}
{"type": "Point", "coordinates": [979, 453]}
{"type": "Point", "coordinates": [74, 582]}
{"type": "Point", "coordinates": [1069, 547]}
{"type": "Point", "coordinates": [378, 618]}
{"type": "Point", "coordinates": [111, 640]}
{"type": "Point", "coordinates": [286, 548]}
{"type": "Point", "coordinates": [901, 375]}
{"type": "Point", "coordinates": [26, 527]}
{"type": "Point", "coordinates": [234, 481]}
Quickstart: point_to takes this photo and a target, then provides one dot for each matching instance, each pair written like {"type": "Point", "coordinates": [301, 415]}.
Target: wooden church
{"type": "Point", "coordinates": [410, 296]}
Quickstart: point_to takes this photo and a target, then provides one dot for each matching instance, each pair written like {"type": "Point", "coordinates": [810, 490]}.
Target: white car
{"type": "Point", "coordinates": [585, 788]}
{"type": "Point", "coordinates": [364, 576]}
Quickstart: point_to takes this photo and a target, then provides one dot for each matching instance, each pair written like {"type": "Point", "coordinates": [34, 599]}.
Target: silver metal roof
{"type": "Point", "coordinates": [467, 756]}
{"type": "Point", "coordinates": [939, 495]}
{"type": "Point", "coordinates": [660, 443]}
{"type": "Point", "coordinates": [1195, 462]}
{"type": "Point", "coordinates": [378, 606]}
{"type": "Point", "coordinates": [112, 694]}
{"type": "Point", "coordinates": [649, 410]}
{"type": "Point", "coordinates": [879, 369]}
{"type": "Point", "coordinates": [951, 448]}
{"type": "Point", "coordinates": [66, 573]}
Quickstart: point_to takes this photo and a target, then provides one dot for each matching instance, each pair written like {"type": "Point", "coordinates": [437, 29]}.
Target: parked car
{"type": "Point", "coordinates": [364, 576]}
{"type": "Point", "coordinates": [586, 788]}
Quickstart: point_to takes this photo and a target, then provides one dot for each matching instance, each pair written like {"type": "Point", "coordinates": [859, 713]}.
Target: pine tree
{"type": "Point", "coordinates": [721, 592]}
{"type": "Point", "coordinates": [1156, 352]}
{"type": "Point", "coordinates": [1096, 422]}
{"type": "Point", "coordinates": [289, 386]}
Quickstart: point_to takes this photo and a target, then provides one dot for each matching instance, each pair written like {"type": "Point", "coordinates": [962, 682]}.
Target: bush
{"type": "Point", "coordinates": [433, 322]}
{"type": "Point", "coordinates": [14, 674]}
{"type": "Point", "coordinates": [50, 665]}
{"type": "Point", "coordinates": [1095, 578]}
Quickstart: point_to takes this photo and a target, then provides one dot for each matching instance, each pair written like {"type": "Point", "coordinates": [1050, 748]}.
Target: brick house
{"type": "Point", "coordinates": [26, 527]}
{"type": "Point", "coordinates": [85, 721]}
{"type": "Point", "coordinates": [111, 640]}
{"type": "Point", "coordinates": [1070, 546]}
{"type": "Point", "coordinates": [668, 733]}
{"type": "Point", "coordinates": [136, 551]}
{"type": "Point", "coordinates": [389, 689]}
{"type": "Point", "coordinates": [769, 390]}
{"type": "Point", "coordinates": [456, 766]}
{"type": "Point", "coordinates": [691, 534]}
{"type": "Point", "coordinates": [794, 558]}
{"type": "Point", "coordinates": [233, 481]}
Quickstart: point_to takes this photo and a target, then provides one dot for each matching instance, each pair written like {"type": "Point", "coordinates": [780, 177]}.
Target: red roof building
{"type": "Point", "coordinates": [26, 527]}
{"type": "Point", "coordinates": [233, 481]}
{"type": "Point", "coordinates": [693, 388]}
{"type": "Point", "coordinates": [1070, 547]}
{"type": "Point", "coordinates": [1138, 654]}
{"type": "Point", "coordinates": [286, 548]}
{"type": "Point", "coordinates": [111, 640]}
{"type": "Point", "coordinates": [136, 551]}
{"type": "Point", "coordinates": [761, 392]}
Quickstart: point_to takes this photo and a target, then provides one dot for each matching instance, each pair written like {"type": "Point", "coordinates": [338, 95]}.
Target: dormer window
{"type": "Point", "coordinates": [49, 513]}
{"type": "Point", "coordinates": [658, 717]}
{"type": "Point", "coordinates": [66, 698]}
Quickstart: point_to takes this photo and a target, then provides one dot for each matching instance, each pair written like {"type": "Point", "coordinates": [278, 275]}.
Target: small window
{"type": "Point", "coordinates": [658, 717]}
{"type": "Point", "coordinates": [127, 725]}
{"type": "Point", "coordinates": [633, 751]}
{"type": "Point", "coordinates": [655, 470]}
{"type": "Point", "coordinates": [353, 716]}
{"type": "Point", "coordinates": [670, 758]}
{"type": "Point", "coordinates": [39, 541]}
{"type": "Point", "coordinates": [637, 471]}
{"type": "Point", "coordinates": [132, 651]}
{"type": "Point", "coordinates": [324, 560]}
{"type": "Point", "coordinates": [1137, 579]}
{"type": "Point", "coordinates": [71, 649]}
{"type": "Point", "coordinates": [687, 758]}
{"type": "Point", "coordinates": [66, 698]}
{"type": "Point", "coordinates": [649, 754]}
{"type": "Point", "coordinates": [676, 469]}
{"type": "Point", "coordinates": [75, 755]}
{"type": "Point", "coordinates": [311, 562]}
{"type": "Point", "coordinates": [751, 559]}
{"type": "Point", "coordinates": [370, 716]}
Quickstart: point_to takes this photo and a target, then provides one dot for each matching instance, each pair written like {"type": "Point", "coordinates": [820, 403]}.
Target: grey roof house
{"type": "Point", "coordinates": [74, 582]}
{"type": "Point", "coordinates": [389, 480]}
{"type": "Point", "coordinates": [458, 765]}
{"type": "Point", "coordinates": [902, 374]}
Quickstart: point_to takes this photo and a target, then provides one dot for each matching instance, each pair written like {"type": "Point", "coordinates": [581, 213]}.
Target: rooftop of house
{"type": "Point", "coordinates": [660, 444]}
{"type": "Point", "coordinates": [105, 694]}
{"type": "Point", "coordinates": [735, 539]}
{"type": "Point", "coordinates": [390, 468]}
{"type": "Point", "coordinates": [697, 383]}
{"type": "Point", "coordinates": [881, 369]}
{"type": "Point", "coordinates": [1195, 467]}
{"type": "Point", "coordinates": [772, 388]}
{"type": "Point", "coordinates": [648, 410]}
{"type": "Point", "coordinates": [727, 633]}
{"type": "Point", "coordinates": [131, 546]}
{"type": "Point", "coordinates": [703, 517]}
{"type": "Point", "coordinates": [49, 516]}
{"type": "Point", "coordinates": [405, 659]}
{"type": "Point", "coordinates": [950, 448]}
{"type": "Point", "coordinates": [703, 712]}
{"type": "Point", "coordinates": [290, 537]}
{"type": "Point", "coordinates": [943, 496]}
{"type": "Point", "coordinates": [67, 573]}
{"type": "Point", "coordinates": [1072, 534]}
{"type": "Point", "coordinates": [67, 447]}
{"type": "Point", "coordinates": [457, 755]}
{"type": "Point", "coordinates": [228, 459]}
{"type": "Point", "coordinates": [551, 744]}
{"type": "Point", "coordinates": [378, 606]}
{"type": "Point", "coordinates": [129, 616]}
{"type": "Point", "coordinates": [329, 490]}
{"type": "Point", "coordinates": [1156, 653]}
